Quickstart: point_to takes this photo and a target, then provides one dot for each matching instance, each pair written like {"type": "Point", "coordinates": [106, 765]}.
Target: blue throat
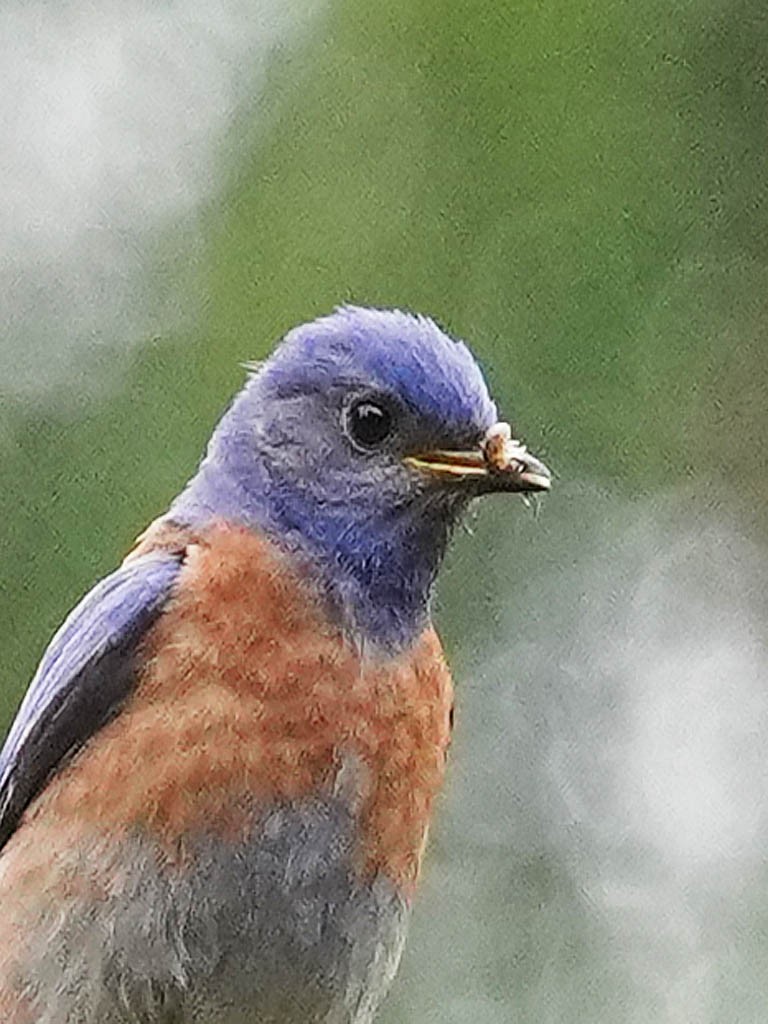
{"type": "Point", "coordinates": [375, 572]}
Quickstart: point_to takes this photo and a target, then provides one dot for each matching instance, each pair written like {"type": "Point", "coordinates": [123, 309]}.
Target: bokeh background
{"type": "Point", "coordinates": [578, 189]}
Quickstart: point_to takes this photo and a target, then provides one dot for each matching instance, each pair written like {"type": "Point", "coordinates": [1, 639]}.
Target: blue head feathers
{"type": "Point", "coordinates": [315, 449]}
{"type": "Point", "coordinates": [404, 355]}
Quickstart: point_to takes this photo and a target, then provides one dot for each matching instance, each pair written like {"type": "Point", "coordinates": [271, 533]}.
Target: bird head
{"type": "Point", "coordinates": [357, 446]}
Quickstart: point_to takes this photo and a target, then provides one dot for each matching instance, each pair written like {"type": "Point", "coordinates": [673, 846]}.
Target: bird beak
{"type": "Point", "coordinates": [499, 464]}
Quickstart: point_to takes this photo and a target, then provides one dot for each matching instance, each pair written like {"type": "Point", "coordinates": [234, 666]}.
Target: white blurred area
{"type": "Point", "coordinates": [112, 118]}
{"type": "Point", "coordinates": [608, 811]}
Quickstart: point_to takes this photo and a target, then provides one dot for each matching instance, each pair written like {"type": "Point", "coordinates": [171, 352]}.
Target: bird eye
{"type": "Point", "coordinates": [369, 424]}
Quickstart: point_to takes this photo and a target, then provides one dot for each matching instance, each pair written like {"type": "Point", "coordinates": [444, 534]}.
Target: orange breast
{"type": "Point", "coordinates": [247, 696]}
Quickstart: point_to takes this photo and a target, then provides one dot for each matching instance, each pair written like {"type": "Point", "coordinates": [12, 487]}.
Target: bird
{"type": "Point", "coordinates": [215, 796]}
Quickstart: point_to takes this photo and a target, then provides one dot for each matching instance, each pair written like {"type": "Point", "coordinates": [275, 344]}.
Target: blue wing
{"type": "Point", "coordinates": [84, 678]}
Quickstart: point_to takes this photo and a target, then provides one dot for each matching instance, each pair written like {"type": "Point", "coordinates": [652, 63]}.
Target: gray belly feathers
{"type": "Point", "coordinates": [275, 930]}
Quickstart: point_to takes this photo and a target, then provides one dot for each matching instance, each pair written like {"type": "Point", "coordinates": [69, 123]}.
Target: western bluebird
{"type": "Point", "coordinates": [215, 796]}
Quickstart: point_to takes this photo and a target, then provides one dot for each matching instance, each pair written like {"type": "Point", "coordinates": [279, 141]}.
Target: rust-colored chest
{"type": "Point", "coordinates": [247, 696]}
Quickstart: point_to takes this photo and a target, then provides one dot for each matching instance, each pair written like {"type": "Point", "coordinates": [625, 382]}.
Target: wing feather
{"type": "Point", "coordinates": [83, 680]}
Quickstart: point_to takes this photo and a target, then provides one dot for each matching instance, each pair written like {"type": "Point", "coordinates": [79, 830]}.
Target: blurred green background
{"type": "Point", "coordinates": [578, 190]}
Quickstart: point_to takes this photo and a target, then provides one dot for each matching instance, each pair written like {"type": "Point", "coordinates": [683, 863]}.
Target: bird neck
{"type": "Point", "coordinates": [377, 575]}
{"type": "Point", "coordinates": [375, 571]}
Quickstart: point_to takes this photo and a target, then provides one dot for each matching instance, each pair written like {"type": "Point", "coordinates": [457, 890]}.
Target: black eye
{"type": "Point", "coordinates": [369, 424]}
